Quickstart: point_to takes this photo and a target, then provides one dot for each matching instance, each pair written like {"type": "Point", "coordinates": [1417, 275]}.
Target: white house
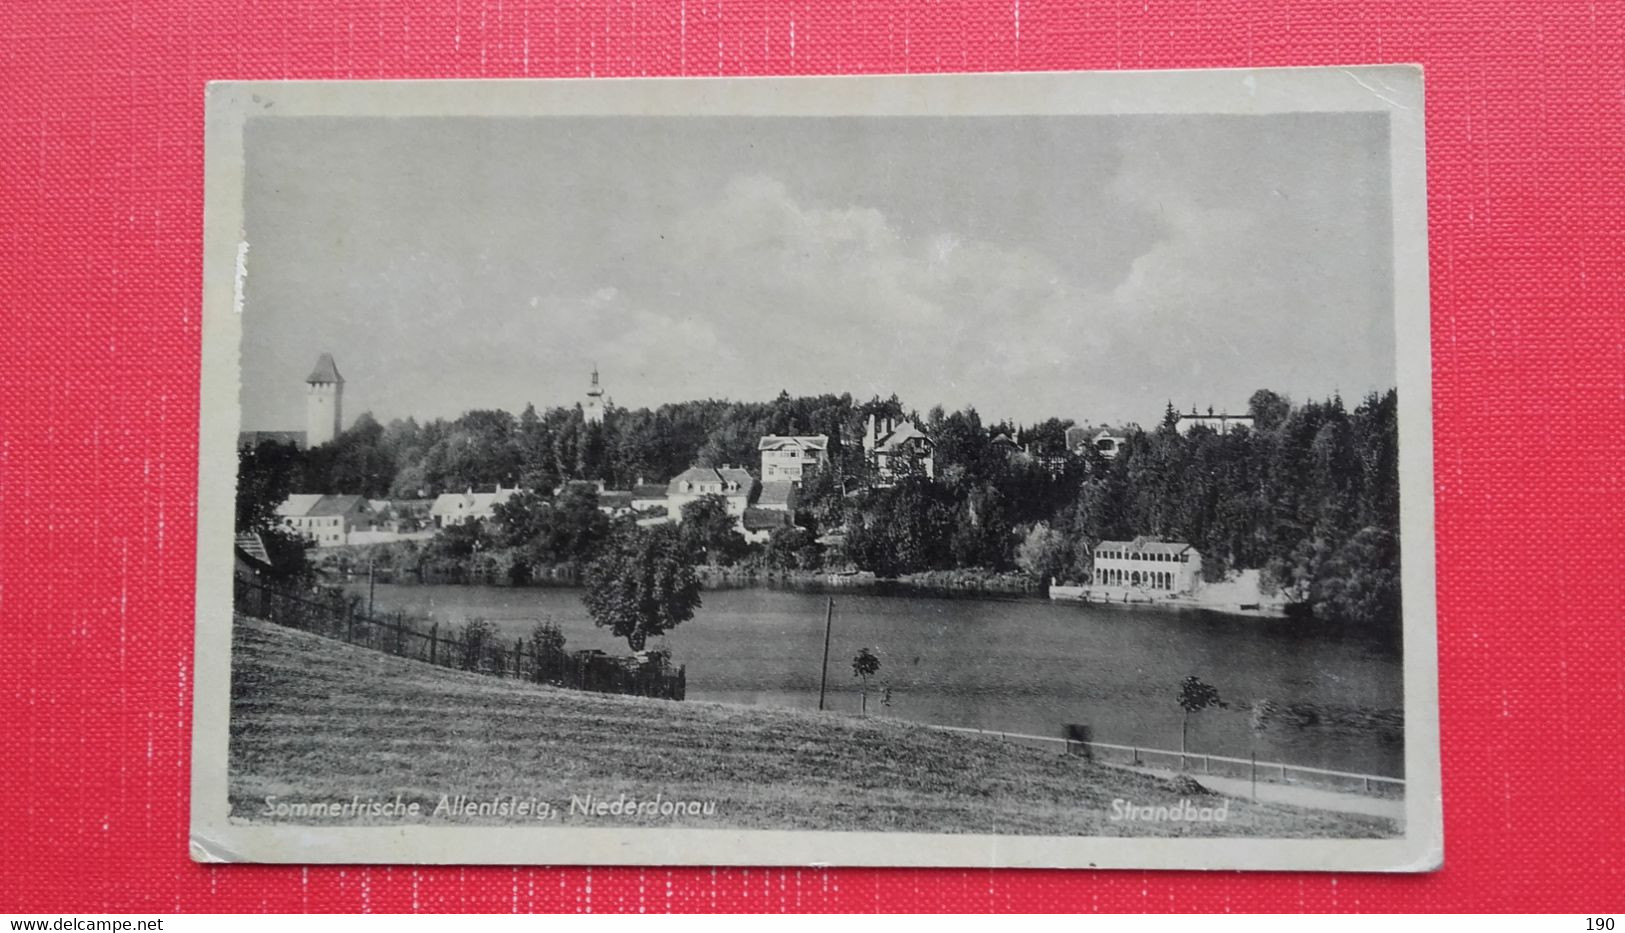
{"type": "Point", "coordinates": [732, 483]}
{"type": "Point", "coordinates": [325, 521]}
{"type": "Point", "coordinates": [784, 457]}
{"type": "Point", "coordinates": [454, 508]}
{"type": "Point", "coordinates": [1105, 439]}
{"type": "Point", "coordinates": [1160, 566]}
{"type": "Point", "coordinates": [891, 443]}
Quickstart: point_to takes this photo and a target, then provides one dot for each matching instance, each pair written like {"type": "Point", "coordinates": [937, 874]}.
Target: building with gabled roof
{"type": "Point", "coordinates": [890, 443]}
{"type": "Point", "coordinates": [326, 521]}
{"type": "Point", "coordinates": [730, 482]}
{"type": "Point", "coordinates": [454, 508]}
{"type": "Point", "coordinates": [1106, 440]}
{"type": "Point", "coordinates": [786, 457]}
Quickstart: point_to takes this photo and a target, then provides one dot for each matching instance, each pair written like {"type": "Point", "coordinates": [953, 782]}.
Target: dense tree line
{"type": "Point", "coordinates": [543, 449]}
{"type": "Point", "coordinates": [1309, 494]}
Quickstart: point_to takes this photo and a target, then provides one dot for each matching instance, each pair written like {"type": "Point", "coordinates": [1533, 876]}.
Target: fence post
{"type": "Point", "coordinates": [349, 624]}
{"type": "Point", "coordinates": [518, 659]}
{"type": "Point", "coordinates": [434, 643]}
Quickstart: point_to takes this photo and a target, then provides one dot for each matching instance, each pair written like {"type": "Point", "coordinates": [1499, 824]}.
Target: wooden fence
{"type": "Point", "coordinates": [478, 649]}
{"type": "Point", "coordinates": [1200, 763]}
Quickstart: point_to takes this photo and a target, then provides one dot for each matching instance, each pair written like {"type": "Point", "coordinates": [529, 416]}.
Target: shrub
{"type": "Point", "coordinates": [473, 639]}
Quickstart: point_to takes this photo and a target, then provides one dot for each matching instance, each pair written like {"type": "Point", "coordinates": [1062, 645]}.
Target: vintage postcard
{"type": "Point", "coordinates": [963, 470]}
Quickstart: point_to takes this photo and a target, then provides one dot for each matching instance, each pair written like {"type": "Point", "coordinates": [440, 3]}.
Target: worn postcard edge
{"type": "Point", "coordinates": [1392, 89]}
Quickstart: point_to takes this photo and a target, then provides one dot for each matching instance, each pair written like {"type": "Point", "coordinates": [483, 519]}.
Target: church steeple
{"type": "Point", "coordinates": [593, 409]}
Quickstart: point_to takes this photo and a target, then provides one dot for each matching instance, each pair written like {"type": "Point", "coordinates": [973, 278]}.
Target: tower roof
{"type": "Point", "coordinates": [326, 371]}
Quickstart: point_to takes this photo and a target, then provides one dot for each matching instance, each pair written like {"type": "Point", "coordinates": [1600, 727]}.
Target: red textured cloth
{"type": "Point", "coordinates": [101, 169]}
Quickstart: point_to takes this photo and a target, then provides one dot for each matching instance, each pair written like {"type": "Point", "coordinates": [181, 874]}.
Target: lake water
{"type": "Point", "coordinates": [1016, 665]}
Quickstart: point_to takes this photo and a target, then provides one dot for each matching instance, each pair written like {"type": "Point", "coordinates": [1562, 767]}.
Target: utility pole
{"type": "Point", "coordinates": [369, 588]}
{"type": "Point", "coordinates": [823, 676]}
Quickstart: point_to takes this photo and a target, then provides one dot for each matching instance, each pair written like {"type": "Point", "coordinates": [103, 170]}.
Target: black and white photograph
{"type": "Point", "coordinates": [985, 470]}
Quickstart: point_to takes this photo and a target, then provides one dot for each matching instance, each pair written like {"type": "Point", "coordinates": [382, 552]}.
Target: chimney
{"type": "Point", "coordinates": [869, 435]}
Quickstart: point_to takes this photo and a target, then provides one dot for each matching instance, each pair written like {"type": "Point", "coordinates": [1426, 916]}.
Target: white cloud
{"type": "Point", "coordinates": [764, 291]}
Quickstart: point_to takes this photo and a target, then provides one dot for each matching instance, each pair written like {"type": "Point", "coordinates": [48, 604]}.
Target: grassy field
{"type": "Point", "coordinates": [315, 719]}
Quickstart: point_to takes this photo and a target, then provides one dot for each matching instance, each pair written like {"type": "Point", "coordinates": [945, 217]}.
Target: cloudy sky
{"type": "Point", "coordinates": [1083, 267]}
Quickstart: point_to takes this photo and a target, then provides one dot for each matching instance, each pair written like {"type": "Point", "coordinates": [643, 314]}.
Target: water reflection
{"type": "Point", "coordinates": [1019, 665]}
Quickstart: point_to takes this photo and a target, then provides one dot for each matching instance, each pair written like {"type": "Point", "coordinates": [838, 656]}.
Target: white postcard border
{"type": "Point", "coordinates": [1395, 90]}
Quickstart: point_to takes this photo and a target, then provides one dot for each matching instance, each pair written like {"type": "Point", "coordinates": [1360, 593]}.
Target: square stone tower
{"type": "Point", "coordinates": [324, 403]}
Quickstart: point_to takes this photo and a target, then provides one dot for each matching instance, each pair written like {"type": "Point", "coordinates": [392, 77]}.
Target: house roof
{"type": "Point", "coordinates": [253, 546]}
{"type": "Point", "coordinates": [699, 475]}
{"type": "Point", "coordinates": [256, 438]}
{"type": "Point", "coordinates": [595, 485]}
{"type": "Point", "coordinates": [338, 505]}
{"type": "Point", "coordinates": [315, 505]}
{"type": "Point", "coordinates": [779, 494]}
{"type": "Point", "coordinates": [1086, 435]}
{"type": "Point", "coordinates": [615, 499]}
{"type": "Point", "coordinates": [804, 441]}
{"type": "Point", "coordinates": [298, 505]}
{"type": "Point", "coordinates": [451, 502]}
{"type": "Point", "coordinates": [756, 519]}
{"type": "Point", "coordinates": [488, 500]}
{"type": "Point", "coordinates": [649, 491]}
{"type": "Point", "coordinates": [900, 435]}
{"type": "Point", "coordinates": [737, 475]}
{"type": "Point", "coordinates": [694, 474]}
{"type": "Point", "coordinates": [1004, 440]}
{"type": "Point", "coordinates": [1146, 547]}
{"type": "Point", "coordinates": [326, 370]}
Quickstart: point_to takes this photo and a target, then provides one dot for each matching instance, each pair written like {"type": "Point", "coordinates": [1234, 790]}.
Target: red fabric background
{"type": "Point", "coordinates": [100, 193]}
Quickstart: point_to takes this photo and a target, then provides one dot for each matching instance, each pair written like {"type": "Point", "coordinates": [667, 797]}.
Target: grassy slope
{"type": "Point", "coordinates": [317, 719]}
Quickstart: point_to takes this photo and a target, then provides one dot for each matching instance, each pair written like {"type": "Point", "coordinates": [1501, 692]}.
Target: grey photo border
{"type": "Point", "coordinates": [1393, 89]}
